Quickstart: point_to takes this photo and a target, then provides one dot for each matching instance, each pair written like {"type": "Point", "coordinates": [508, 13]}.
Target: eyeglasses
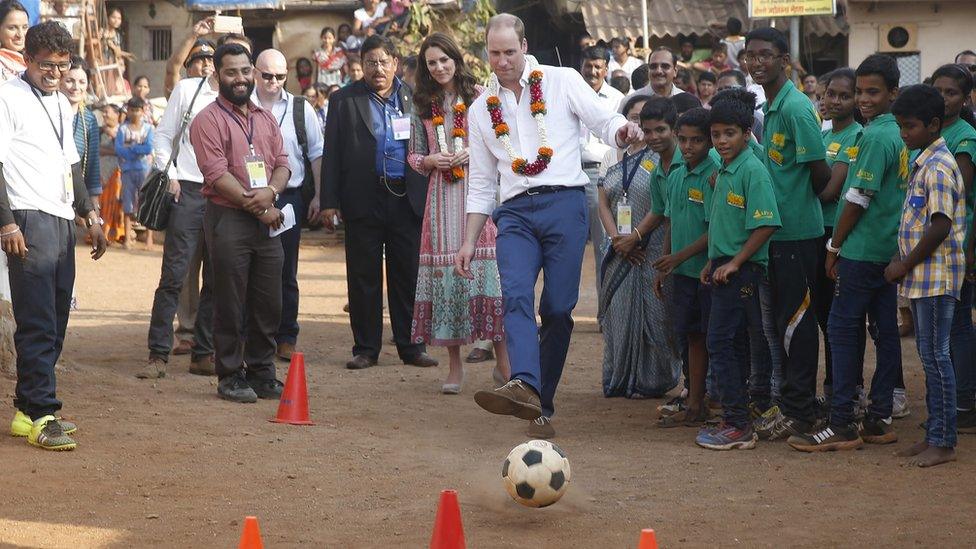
{"type": "Point", "coordinates": [48, 66]}
{"type": "Point", "coordinates": [268, 76]}
{"type": "Point", "coordinates": [763, 57]}
{"type": "Point", "coordinates": [662, 66]}
{"type": "Point", "coordinates": [374, 63]}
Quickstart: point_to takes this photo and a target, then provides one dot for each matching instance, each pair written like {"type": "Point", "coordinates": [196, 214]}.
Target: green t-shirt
{"type": "Point", "coordinates": [659, 183]}
{"type": "Point", "coordinates": [754, 146]}
{"type": "Point", "coordinates": [879, 165]}
{"type": "Point", "coordinates": [839, 148]}
{"type": "Point", "coordinates": [960, 137]}
{"type": "Point", "coordinates": [688, 195]}
{"type": "Point", "coordinates": [743, 200]}
{"type": "Point", "coordinates": [792, 138]}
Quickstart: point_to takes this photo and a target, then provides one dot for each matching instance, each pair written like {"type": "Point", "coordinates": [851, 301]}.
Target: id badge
{"type": "Point", "coordinates": [256, 172]}
{"type": "Point", "coordinates": [624, 219]}
{"type": "Point", "coordinates": [401, 128]}
{"type": "Point", "coordinates": [68, 190]}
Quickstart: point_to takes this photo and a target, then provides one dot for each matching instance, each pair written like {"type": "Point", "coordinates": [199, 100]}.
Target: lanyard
{"type": "Point", "coordinates": [59, 135]}
{"type": "Point", "coordinates": [629, 176]}
{"type": "Point", "coordinates": [248, 132]}
{"type": "Point", "coordinates": [282, 119]}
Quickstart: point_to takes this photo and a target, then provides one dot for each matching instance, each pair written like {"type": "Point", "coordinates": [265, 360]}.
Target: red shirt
{"type": "Point", "coordinates": [220, 134]}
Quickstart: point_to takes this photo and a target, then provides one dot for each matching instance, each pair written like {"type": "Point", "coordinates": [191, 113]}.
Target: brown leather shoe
{"type": "Point", "coordinates": [154, 369]}
{"type": "Point", "coordinates": [183, 347]}
{"type": "Point", "coordinates": [360, 362]}
{"type": "Point", "coordinates": [515, 398]}
{"type": "Point", "coordinates": [479, 355]}
{"type": "Point", "coordinates": [285, 351]}
{"type": "Point", "coordinates": [541, 427]}
{"type": "Point", "coordinates": [422, 360]}
{"type": "Point", "coordinates": [203, 366]}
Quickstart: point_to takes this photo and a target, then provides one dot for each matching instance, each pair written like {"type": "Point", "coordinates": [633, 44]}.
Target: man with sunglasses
{"type": "Point", "coordinates": [41, 192]}
{"type": "Point", "coordinates": [270, 94]}
{"type": "Point", "coordinates": [663, 64]}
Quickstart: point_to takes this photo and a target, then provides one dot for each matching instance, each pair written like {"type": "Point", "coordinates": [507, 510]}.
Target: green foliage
{"type": "Point", "coordinates": [468, 28]}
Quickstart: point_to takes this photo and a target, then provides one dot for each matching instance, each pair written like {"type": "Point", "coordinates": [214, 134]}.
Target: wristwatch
{"type": "Point", "coordinates": [275, 191]}
{"type": "Point", "coordinates": [90, 221]}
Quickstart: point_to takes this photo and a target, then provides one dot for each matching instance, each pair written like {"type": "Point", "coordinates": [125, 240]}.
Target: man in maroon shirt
{"type": "Point", "coordinates": [241, 155]}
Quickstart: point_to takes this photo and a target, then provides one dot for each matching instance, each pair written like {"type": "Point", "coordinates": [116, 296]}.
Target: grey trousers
{"type": "Point", "coordinates": [183, 234]}
{"type": "Point", "coordinates": [597, 234]}
{"type": "Point", "coordinates": [247, 281]}
{"type": "Point", "coordinates": [186, 313]}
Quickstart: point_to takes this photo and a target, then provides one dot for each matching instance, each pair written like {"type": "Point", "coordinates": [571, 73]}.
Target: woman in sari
{"type": "Point", "coordinates": [640, 355]}
{"type": "Point", "coordinates": [451, 310]}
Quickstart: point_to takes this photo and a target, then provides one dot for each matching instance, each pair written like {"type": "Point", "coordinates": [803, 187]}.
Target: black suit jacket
{"type": "Point", "coordinates": [349, 178]}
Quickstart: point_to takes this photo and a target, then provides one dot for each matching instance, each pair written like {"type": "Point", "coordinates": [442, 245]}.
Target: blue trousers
{"type": "Point", "coordinates": [962, 343]}
{"type": "Point", "coordinates": [290, 239]}
{"type": "Point", "coordinates": [933, 323]}
{"type": "Point", "coordinates": [861, 290]}
{"type": "Point", "coordinates": [544, 232]}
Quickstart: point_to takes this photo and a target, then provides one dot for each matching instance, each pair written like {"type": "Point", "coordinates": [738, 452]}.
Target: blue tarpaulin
{"type": "Point", "coordinates": [225, 5]}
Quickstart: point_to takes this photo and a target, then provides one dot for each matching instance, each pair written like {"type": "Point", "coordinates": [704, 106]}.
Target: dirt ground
{"type": "Point", "coordinates": [169, 464]}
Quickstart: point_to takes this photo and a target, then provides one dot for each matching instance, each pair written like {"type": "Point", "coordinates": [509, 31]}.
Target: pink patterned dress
{"type": "Point", "coordinates": [449, 309]}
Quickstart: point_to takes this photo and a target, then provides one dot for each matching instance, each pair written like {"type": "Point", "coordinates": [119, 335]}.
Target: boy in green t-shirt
{"type": "Point", "coordinates": [865, 239]}
{"type": "Point", "coordinates": [741, 218]}
{"type": "Point", "coordinates": [684, 255]}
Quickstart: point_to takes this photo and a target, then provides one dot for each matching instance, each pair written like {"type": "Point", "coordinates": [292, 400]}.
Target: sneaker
{"type": "Point", "coordinates": [21, 425]}
{"type": "Point", "coordinates": [899, 405]}
{"type": "Point", "coordinates": [673, 406]}
{"type": "Point", "coordinates": [203, 366]}
{"type": "Point", "coordinates": [764, 423]}
{"type": "Point", "coordinates": [154, 369]}
{"type": "Point", "coordinates": [47, 433]}
{"type": "Point", "coordinates": [541, 427]}
{"type": "Point", "coordinates": [236, 389]}
{"type": "Point", "coordinates": [779, 427]}
{"type": "Point", "coordinates": [878, 431]}
{"type": "Point", "coordinates": [756, 410]}
{"type": "Point", "coordinates": [823, 407]}
{"type": "Point", "coordinates": [267, 388]}
{"type": "Point", "coordinates": [827, 439]}
{"type": "Point", "coordinates": [727, 437]}
{"type": "Point", "coordinates": [966, 422]}
{"type": "Point", "coordinates": [515, 398]}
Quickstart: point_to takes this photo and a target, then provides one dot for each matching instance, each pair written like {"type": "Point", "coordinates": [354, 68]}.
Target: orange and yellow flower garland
{"type": "Point", "coordinates": [520, 165]}
{"type": "Point", "coordinates": [458, 133]}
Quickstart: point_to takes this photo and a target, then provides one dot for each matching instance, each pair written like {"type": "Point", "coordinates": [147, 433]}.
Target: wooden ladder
{"type": "Point", "coordinates": [108, 82]}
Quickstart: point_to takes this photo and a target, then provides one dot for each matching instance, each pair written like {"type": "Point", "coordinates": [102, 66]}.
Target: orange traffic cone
{"type": "Point", "coordinates": [293, 408]}
{"type": "Point", "coordinates": [647, 539]}
{"type": "Point", "coordinates": [448, 531]}
{"type": "Point", "coordinates": [251, 537]}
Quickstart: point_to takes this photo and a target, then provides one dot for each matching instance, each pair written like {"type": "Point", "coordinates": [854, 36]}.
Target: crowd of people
{"type": "Point", "coordinates": [736, 217]}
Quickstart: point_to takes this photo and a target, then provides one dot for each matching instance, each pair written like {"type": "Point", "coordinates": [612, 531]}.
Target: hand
{"type": "Point", "coordinates": [636, 257]}
{"type": "Point", "coordinates": [258, 200]}
{"type": "Point", "coordinates": [272, 218]}
{"type": "Point", "coordinates": [13, 243]}
{"type": "Point", "coordinates": [99, 242]}
{"type": "Point", "coordinates": [667, 263]}
{"type": "Point", "coordinates": [460, 158]}
{"type": "Point", "coordinates": [725, 272]}
{"type": "Point", "coordinates": [895, 271]}
{"type": "Point", "coordinates": [314, 208]}
{"type": "Point", "coordinates": [624, 244]}
{"type": "Point", "coordinates": [830, 265]}
{"type": "Point", "coordinates": [203, 27]}
{"type": "Point", "coordinates": [659, 285]}
{"type": "Point", "coordinates": [712, 178]}
{"type": "Point", "coordinates": [706, 274]}
{"type": "Point", "coordinates": [438, 161]}
{"type": "Point", "coordinates": [328, 215]}
{"type": "Point", "coordinates": [462, 261]}
{"type": "Point", "coordinates": [628, 134]}
{"type": "Point", "coordinates": [175, 189]}
{"type": "Point", "coordinates": [96, 200]}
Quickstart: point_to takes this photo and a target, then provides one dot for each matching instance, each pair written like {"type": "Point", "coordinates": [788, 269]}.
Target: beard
{"type": "Point", "coordinates": [227, 92]}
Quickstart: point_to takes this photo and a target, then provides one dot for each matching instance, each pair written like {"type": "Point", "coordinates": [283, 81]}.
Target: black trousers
{"type": "Point", "coordinates": [290, 240]}
{"type": "Point", "coordinates": [40, 291]}
{"type": "Point", "coordinates": [792, 275]}
{"type": "Point", "coordinates": [247, 281]}
{"type": "Point", "coordinates": [393, 228]}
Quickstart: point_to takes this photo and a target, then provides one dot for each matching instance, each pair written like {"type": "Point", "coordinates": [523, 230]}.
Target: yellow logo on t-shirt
{"type": "Point", "coordinates": [762, 214]}
{"type": "Point", "coordinates": [696, 196]}
{"type": "Point", "coordinates": [864, 175]}
{"type": "Point", "coordinates": [648, 165]}
{"type": "Point", "coordinates": [852, 152]}
{"type": "Point", "coordinates": [963, 143]}
{"type": "Point", "coordinates": [903, 164]}
{"type": "Point", "coordinates": [779, 139]}
{"type": "Point", "coordinates": [833, 149]}
{"type": "Point", "coordinates": [776, 156]}
{"type": "Point", "coordinates": [736, 200]}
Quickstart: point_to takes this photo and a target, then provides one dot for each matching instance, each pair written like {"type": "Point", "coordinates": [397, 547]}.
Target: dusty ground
{"type": "Point", "coordinates": [169, 464]}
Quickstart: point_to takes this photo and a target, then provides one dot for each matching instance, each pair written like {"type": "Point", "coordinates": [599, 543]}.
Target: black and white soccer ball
{"type": "Point", "coordinates": [536, 473]}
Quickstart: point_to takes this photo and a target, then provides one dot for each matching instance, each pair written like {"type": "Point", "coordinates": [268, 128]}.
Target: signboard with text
{"type": "Point", "coordinates": [791, 8]}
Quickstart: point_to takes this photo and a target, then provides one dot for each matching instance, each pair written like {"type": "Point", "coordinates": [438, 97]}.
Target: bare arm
{"type": "Point", "coordinates": [838, 174]}
{"type": "Point", "coordinates": [756, 239]}
{"type": "Point", "coordinates": [819, 175]}
{"type": "Point", "coordinates": [175, 62]}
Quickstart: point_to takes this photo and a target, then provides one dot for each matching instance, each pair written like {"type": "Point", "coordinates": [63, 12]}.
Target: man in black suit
{"type": "Point", "coordinates": [366, 181]}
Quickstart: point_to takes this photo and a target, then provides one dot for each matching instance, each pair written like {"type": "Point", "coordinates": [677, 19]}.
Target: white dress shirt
{"type": "Point", "coordinates": [569, 101]}
{"type": "Point", "coordinates": [185, 168]}
{"type": "Point", "coordinates": [649, 90]}
{"type": "Point", "coordinates": [593, 147]}
{"type": "Point", "coordinates": [283, 112]}
{"type": "Point", "coordinates": [629, 66]}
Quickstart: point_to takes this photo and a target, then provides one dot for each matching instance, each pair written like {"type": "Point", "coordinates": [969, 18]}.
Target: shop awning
{"type": "Point", "coordinates": [226, 5]}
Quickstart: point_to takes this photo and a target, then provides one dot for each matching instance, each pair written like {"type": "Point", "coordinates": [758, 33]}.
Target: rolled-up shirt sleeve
{"type": "Point", "coordinates": [600, 120]}
{"type": "Point", "coordinates": [484, 174]}
{"type": "Point", "coordinates": [207, 141]}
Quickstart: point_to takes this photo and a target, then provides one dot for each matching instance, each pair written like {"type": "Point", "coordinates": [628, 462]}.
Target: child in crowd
{"type": "Point", "coordinates": [330, 59]}
{"type": "Point", "coordinates": [347, 40]}
{"type": "Point", "coordinates": [864, 240]}
{"type": "Point", "coordinates": [742, 217]}
{"type": "Point", "coordinates": [955, 83]}
{"type": "Point", "coordinates": [717, 63]}
{"type": "Point", "coordinates": [133, 146]}
{"type": "Point", "coordinates": [304, 72]}
{"type": "Point", "coordinates": [931, 263]}
{"type": "Point", "coordinates": [354, 70]}
{"type": "Point", "coordinates": [706, 87]}
{"type": "Point", "coordinates": [684, 255]}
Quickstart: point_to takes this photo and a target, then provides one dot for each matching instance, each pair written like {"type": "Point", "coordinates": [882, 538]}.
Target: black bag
{"type": "Point", "coordinates": [155, 200]}
{"type": "Point", "coordinates": [298, 114]}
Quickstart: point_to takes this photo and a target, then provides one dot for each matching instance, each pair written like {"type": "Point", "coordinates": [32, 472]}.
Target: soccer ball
{"type": "Point", "coordinates": [536, 473]}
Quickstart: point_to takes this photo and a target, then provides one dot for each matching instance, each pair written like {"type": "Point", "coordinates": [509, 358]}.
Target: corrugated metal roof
{"type": "Point", "coordinates": [609, 18]}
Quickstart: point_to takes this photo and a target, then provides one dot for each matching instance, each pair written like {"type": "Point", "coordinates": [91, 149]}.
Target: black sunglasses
{"type": "Point", "coordinates": [268, 76]}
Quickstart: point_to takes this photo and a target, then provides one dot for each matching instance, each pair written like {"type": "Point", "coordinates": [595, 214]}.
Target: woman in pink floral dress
{"type": "Point", "coordinates": [449, 309]}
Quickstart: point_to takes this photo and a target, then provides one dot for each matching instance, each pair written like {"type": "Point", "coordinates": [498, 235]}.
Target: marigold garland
{"type": "Point", "coordinates": [456, 173]}
{"type": "Point", "coordinates": [537, 106]}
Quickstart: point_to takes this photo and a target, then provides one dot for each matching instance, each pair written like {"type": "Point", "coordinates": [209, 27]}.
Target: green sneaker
{"type": "Point", "coordinates": [21, 425]}
{"type": "Point", "coordinates": [47, 433]}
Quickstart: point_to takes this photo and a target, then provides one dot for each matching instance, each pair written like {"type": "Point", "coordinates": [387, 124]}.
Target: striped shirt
{"type": "Point", "coordinates": [935, 186]}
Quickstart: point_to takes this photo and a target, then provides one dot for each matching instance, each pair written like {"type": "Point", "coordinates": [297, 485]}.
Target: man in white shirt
{"type": "Point", "coordinates": [594, 71]}
{"type": "Point", "coordinates": [621, 58]}
{"type": "Point", "coordinates": [663, 64]}
{"type": "Point", "coordinates": [542, 221]}
{"type": "Point", "coordinates": [41, 192]}
{"type": "Point", "coordinates": [269, 92]}
{"type": "Point", "coordinates": [183, 233]}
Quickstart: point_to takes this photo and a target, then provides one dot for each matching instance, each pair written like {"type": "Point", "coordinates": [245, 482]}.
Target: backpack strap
{"type": "Point", "coordinates": [298, 114]}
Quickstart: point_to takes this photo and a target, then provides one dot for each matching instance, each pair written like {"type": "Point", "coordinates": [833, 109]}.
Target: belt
{"type": "Point", "coordinates": [591, 165]}
{"type": "Point", "coordinates": [545, 189]}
